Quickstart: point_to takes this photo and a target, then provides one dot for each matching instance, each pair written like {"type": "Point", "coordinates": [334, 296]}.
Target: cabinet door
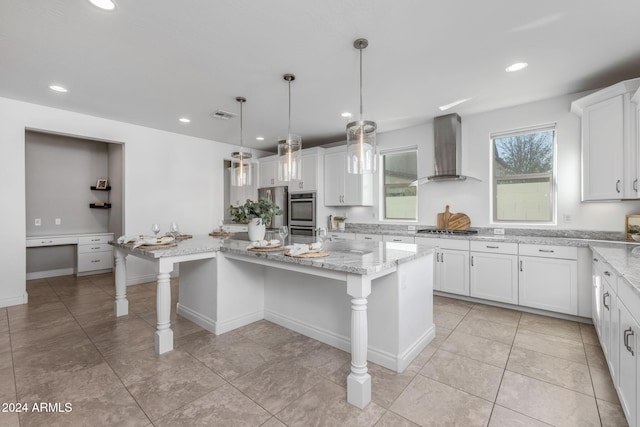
{"type": "Point", "coordinates": [602, 150]}
{"type": "Point", "coordinates": [369, 237]}
{"type": "Point", "coordinates": [596, 295]}
{"type": "Point", "coordinates": [335, 169]}
{"type": "Point", "coordinates": [454, 271]}
{"type": "Point", "coordinates": [358, 189]}
{"type": "Point", "coordinates": [494, 277]}
{"type": "Point", "coordinates": [549, 284]}
{"type": "Point", "coordinates": [268, 173]}
{"type": "Point", "coordinates": [309, 181]}
{"type": "Point", "coordinates": [628, 369]}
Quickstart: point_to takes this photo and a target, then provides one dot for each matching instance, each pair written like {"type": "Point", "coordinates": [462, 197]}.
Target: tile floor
{"type": "Point", "coordinates": [487, 366]}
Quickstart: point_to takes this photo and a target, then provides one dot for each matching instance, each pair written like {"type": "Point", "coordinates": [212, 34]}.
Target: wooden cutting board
{"type": "Point", "coordinates": [452, 221]}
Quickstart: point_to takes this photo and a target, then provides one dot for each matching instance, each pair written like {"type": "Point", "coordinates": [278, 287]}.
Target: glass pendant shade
{"type": "Point", "coordinates": [290, 158]}
{"type": "Point", "coordinates": [361, 147]}
{"type": "Point", "coordinates": [241, 169]}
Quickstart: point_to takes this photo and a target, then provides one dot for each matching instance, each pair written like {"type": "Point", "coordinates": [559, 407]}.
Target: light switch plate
{"type": "Point", "coordinates": [58, 221]}
{"type": "Point", "coordinates": [498, 231]}
{"type": "Point", "coordinates": [38, 222]}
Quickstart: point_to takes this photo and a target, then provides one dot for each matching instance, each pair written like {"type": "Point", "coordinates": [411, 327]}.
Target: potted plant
{"type": "Point", "coordinates": [256, 213]}
{"type": "Point", "coordinates": [340, 221]}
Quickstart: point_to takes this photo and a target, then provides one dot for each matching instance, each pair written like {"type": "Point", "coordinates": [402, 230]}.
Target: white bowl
{"type": "Point", "coordinates": [636, 237]}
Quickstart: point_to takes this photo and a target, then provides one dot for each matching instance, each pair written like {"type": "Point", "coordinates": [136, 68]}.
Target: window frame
{"type": "Point", "coordinates": [553, 181]}
{"type": "Point", "coordinates": [383, 186]}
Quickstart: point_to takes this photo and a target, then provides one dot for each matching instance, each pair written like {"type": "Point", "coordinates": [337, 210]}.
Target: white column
{"type": "Point", "coordinates": [163, 339]}
{"type": "Point", "coordinates": [121, 305]}
{"type": "Point", "coordinates": [359, 380]}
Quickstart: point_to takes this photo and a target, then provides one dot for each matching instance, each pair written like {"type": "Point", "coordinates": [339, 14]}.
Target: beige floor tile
{"type": "Point", "coordinates": [268, 334]}
{"type": "Point", "coordinates": [595, 356]}
{"type": "Point", "coordinates": [20, 311]}
{"type": "Point", "coordinates": [481, 349]}
{"type": "Point", "coordinates": [489, 330]}
{"type": "Point", "coordinates": [547, 402]}
{"type": "Point", "coordinates": [9, 419]}
{"type": "Point", "coordinates": [85, 298]}
{"type": "Point", "coordinates": [274, 385]}
{"type": "Point", "coordinates": [452, 305]}
{"type": "Point", "coordinates": [45, 319]}
{"type": "Point", "coordinates": [168, 390]}
{"type": "Point", "coordinates": [7, 385]}
{"type": "Point", "coordinates": [229, 355]}
{"type": "Point", "coordinates": [394, 420]}
{"type": "Point", "coordinates": [603, 385]}
{"type": "Point", "coordinates": [319, 357]}
{"type": "Point", "coordinates": [562, 372]}
{"type": "Point", "coordinates": [495, 314]}
{"type": "Point", "coordinates": [551, 326]}
{"type": "Point", "coordinates": [611, 414]}
{"type": "Point", "coordinates": [325, 404]}
{"type": "Point", "coordinates": [589, 335]}
{"type": "Point", "coordinates": [477, 378]}
{"type": "Point", "coordinates": [445, 319]}
{"type": "Point", "coordinates": [430, 403]}
{"type": "Point", "coordinates": [339, 376]}
{"type": "Point", "coordinates": [548, 344]}
{"type": "Point", "coordinates": [126, 334]}
{"type": "Point", "coordinates": [223, 407]}
{"type": "Point", "coordinates": [386, 385]}
{"type": "Point", "coordinates": [35, 335]}
{"type": "Point", "coordinates": [423, 357]}
{"type": "Point", "coordinates": [273, 422]}
{"type": "Point", "coordinates": [503, 417]}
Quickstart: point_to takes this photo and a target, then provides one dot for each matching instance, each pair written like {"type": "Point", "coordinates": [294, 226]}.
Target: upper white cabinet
{"type": "Point", "coordinates": [342, 188]}
{"type": "Point", "coordinates": [268, 176]}
{"type": "Point", "coordinates": [609, 143]}
{"type": "Point", "coordinates": [312, 169]}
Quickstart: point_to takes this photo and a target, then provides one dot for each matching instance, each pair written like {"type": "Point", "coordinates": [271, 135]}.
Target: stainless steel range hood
{"type": "Point", "coordinates": [447, 145]}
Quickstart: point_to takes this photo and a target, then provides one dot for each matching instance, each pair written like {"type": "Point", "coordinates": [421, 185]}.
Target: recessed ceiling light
{"type": "Point", "coordinates": [104, 4]}
{"type": "Point", "coordinates": [453, 104]}
{"type": "Point", "coordinates": [346, 114]}
{"type": "Point", "coordinates": [516, 67]}
{"type": "Point", "coordinates": [260, 138]}
{"type": "Point", "coordinates": [58, 88]}
{"type": "Point", "coordinates": [184, 120]}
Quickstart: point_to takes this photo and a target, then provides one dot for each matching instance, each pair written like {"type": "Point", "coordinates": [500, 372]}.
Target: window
{"type": "Point", "coordinates": [400, 168]}
{"type": "Point", "coordinates": [524, 175]}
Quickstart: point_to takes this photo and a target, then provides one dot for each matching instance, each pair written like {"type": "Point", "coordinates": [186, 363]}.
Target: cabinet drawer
{"type": "Point", "coordinates": [94, 261]}
{"type": "Point", "coordinates": [343, 236]}
{"type": "Point", "coordinates": [369, 237]}
{"type": "Point", "coordinates": [494, 247]}
{"type": "Point", "coordinates": [399, 239]}
{"type": "Point", "coordinates": [96, 247]}
{"type": "Point", "coordinates": [89, 240]}
{"type": "Point", "coordinates": [549, 251]}
{"type": "Point", "coordinates": [444, 243]}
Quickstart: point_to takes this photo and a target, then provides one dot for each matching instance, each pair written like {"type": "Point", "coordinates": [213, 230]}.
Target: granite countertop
{"type": "Point", "coordinates": [359, 257]}
{"type": "Point", "coordinates": [624, 259]}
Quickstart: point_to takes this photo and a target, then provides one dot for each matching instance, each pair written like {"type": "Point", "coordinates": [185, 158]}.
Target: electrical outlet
{"type": "Point", "coordinates": [498, 231]}
{"type": "Point", "coordinates": [58, 221]}
{"type": "Point", "coordinates": [566, 217]}
{"type": "Point", "coordinates": [411, 228]}
{"type": "Point", "coordinates": [38, 222]}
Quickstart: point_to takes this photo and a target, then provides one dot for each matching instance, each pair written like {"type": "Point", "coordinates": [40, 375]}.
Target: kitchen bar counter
{"type": "Point", "coordinates": [373, 299]}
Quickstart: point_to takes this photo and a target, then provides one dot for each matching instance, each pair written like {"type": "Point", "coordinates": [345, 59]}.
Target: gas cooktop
{"type": "Point", "coordinates": [436, 231]}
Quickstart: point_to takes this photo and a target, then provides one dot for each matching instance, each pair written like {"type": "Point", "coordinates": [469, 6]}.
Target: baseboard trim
{"type": "Point", "coordinates": [51, 273]}
{"type": "Point", "coordinates": [17, 300]}
{"type": "Point", "coordinates": [218, 328]}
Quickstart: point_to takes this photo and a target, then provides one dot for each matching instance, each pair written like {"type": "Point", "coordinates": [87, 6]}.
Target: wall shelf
{"type": "Point", "coordinates": [93, 187]}
{"type": "Point", "coordinates": [105, 206]}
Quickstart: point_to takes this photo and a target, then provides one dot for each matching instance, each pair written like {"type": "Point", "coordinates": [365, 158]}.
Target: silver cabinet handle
{"type": "Point", "coordinates": [442, 257]}
{"type": "Point", "coordinates": [493, 247]}
{"type": "Point", "coordinates": [550, 251]}
{"type": "Point", "coordinates": [46, 241]}
{"type": "Point", "coordinates": [96, 247]}
{"type": "Point", "coordinates": [606, 273]}
{"type": "Point", "coordinates": [397, 240]}
{"type": "Point", "coordinates": [472, 261]}
{"type": "Point", "coordinates": [437, 256]}
{"type": "Point", "coordinates": [628, 333]}
{"type": "Point", "coordinates": [635, 185]}
{"type": "Point", "coordinates": [95, 240]}
{"type": "Point", "coordinates": [618, 186]}
{"type": "Point", "coordinates": [521, 263]}
{"type": "Point", "coordinates": [596, 260]}
{"type": "Point", "coordinates": [604, 300]}
{"type": "Point", "coordinates": [368, 238]}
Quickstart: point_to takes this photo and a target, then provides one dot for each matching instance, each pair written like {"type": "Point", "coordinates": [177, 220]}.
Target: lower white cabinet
{"type": "Point", "coordinates": [628, 346]}
{"type": "Point", "coordinates": [548, 281]}
{"type": "Point", "coordinates": [95, 255]}
{"type": "Point", "coordinates": [494, 271]}
{"type": "Point", "coordinates": [398, 239]}
{"type": "Point", "coordinates": [451, 264]}
{"type": "Point", "coordinates": [369, 237]}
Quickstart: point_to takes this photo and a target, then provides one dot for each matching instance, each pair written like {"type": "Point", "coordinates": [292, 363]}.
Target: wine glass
{"type": "Point", "coordinates": [155, 228]}
{"type": "Point", "coordinates": [174, 229]}
{"type": "Point", "coordinates": [322, 235]}
{"type": "Point", "coordinates": [283, 232]}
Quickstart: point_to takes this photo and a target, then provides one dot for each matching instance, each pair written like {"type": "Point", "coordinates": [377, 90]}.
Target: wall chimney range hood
{"type": "Point", "coordinates": [447, 147]}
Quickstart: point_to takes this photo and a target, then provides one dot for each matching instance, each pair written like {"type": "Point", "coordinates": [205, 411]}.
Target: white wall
{"type": "Point", "coordinates": [168, 177]}
{"type": "Point", "coordinates": [473, 198]}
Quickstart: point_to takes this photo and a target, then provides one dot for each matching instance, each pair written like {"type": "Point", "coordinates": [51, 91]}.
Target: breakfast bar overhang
{"type": "Point", "coordinates": [224, 285]}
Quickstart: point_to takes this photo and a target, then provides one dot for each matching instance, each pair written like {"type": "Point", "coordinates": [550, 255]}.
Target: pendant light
{"type": "Point", "coordinates": [361, 134]}
{"type": "Point", "coordinates": [241, 163]}
{"type": "Point", "coordinates": [289, 148]}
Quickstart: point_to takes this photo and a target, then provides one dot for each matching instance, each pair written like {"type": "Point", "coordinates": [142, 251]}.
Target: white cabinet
{"type": "Point", "coordinates": [548, 278]}
{"type": "Point", "coordinates": [369, 237]}
{"type": "Point", "coordinates": [342, 188]}
{"type": "Point", "coordinates": [336, 235]}
{"type": "Point", "coordinates": [609, 321]}
{"type": "Point", "coordinates": [312, 171]}
{"type": "Point", "coordinates": [629, 362]}
{"type": "Point", "coordinates": [398, 239]}
{"type": "Point", "coordinates": [268, 175]}
{"type": "Point", "coordinates": [451, 264]}
{"type": "Point", "coordinates": [95, 255]}
{"type": "Point", "coordinates": [494, 271]}
{"type": "Point", "coordinates": [609, 145]}
{"type": "Point", "coordinates": [597, 267]}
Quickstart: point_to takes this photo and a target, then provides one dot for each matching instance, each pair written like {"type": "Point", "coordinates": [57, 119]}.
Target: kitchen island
{"type": "Point", "coordinates": [224, 285]}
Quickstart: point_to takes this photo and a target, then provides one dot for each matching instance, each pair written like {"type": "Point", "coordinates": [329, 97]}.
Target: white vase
{"type": "Point", "coordinates": [256, 230]}
{"type": "Point", "coordinates": [341, 225]}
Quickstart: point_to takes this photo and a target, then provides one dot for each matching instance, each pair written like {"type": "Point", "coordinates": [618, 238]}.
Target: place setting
{"type": "Point", "coordinates": [269, 244]}
{"type": "Point", "coordinates": [150, 243]}
{"type": "Point", "coordinates": [309, 250]}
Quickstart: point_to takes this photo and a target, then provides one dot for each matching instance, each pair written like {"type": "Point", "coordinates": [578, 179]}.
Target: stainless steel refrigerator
{"type": "Point", "coordinates": [279, 196]}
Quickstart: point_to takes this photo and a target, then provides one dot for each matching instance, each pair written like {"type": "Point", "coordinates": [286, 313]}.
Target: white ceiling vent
{"type": "Point", "coordinates": [222, 115]}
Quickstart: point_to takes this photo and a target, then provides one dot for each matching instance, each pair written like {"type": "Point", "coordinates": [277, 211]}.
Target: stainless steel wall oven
{"type": "Point", "coordinates": [302, 214]}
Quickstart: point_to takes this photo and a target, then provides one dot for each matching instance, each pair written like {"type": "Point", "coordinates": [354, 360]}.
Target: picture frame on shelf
{"type": "Point", "coordinates": [102, 184]}
{"type": "Point", "coordinates": [632, 228]}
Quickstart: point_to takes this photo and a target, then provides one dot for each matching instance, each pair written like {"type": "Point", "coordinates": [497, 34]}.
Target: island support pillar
{"type": "Point", "coordinates": [163, 339]}
{"type": "Point", "coordinates": [121, 305]}
{"type": "Point", "coordinates": [359, 380]}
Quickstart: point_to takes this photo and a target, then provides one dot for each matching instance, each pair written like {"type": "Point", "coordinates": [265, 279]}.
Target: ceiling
{"type": "Point", "coordinates": [150, 62]}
